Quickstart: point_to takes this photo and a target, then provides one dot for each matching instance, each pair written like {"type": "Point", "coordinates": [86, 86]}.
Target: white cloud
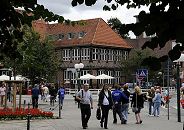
{"type": "Point", "coordinates": [64, 8]}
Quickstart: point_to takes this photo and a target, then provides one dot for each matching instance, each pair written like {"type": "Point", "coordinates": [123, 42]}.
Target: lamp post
{"type": "Point", "coordinates": [181, 59]}
{"type": "Point", "coordinates": [78, 67]}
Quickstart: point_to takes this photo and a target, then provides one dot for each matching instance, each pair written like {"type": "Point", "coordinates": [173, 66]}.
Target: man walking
{"type": "Point", "coordinates": [35, 96]}
{"type": "Point", "coordinates": [86, 104]}
{"type": "Point", "coordinates": [61, 94]}
{"type": "Point", "coordinates": [118, 96]}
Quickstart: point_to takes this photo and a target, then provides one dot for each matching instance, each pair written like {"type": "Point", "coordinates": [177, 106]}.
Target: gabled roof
{"type": "Point", "coordinates": [97, 33]}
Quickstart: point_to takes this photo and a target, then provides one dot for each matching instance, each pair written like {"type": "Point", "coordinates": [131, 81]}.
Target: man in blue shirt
{"type": "Point", "coordinates": [35, 95]}
{"type": "Point", "coordinates": [118, 96]}
{"type": "Point", "coordinates": [61, 94]}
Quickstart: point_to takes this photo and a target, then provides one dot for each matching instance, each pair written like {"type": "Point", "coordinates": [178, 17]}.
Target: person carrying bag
{"type": "Point", "coordinates": [137, 104]}
{"type": "Point", "coordinates": [105, 103]}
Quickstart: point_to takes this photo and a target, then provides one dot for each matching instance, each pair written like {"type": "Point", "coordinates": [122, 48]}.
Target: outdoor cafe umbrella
{"type": "Point", "coordinates": [4, 77]}
{"type": "Point", "coordinates": [104, 76]}
{"type": "Point", "coordinates": [87, 77]}
{"type": "Point", "coordinates": [20, 77]}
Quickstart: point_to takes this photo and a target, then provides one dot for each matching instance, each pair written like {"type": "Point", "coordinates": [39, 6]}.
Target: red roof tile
{"type": "Point", "coordinates": [97, 32]}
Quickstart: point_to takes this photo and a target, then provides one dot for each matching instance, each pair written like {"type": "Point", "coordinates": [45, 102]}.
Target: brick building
{"type": "Point", "coordinates": [94, 44]}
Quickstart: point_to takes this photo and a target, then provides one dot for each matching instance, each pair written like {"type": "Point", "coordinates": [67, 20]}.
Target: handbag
{"type": "Point", "coordinates": [135, 109]}
{"type": "Point", "coordinates": [98, 113]}
{"type": "Point", "coordinates": [76, 99]}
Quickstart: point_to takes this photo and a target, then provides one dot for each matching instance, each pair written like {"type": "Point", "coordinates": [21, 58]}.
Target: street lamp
{"type": "Point", "coordinates": [78, 67]}
{"type": "Point", "coordinates": [181, 59]}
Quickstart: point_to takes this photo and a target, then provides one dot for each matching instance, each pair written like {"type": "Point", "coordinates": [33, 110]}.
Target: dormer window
{"type": "Point", "coordinates": [61, 36]}
{"type": "Point", "coordinates": [81, 34]}
{"type": "Point", "coordinates": [71, 35]}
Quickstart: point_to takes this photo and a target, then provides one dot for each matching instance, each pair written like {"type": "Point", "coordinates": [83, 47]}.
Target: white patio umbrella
{"type": "Point", "coordinates": [4, 77]}
{"type": "Point", "coordinates": [20, 77]}
{"type": "Point", "coordinates": [87, 77]}
{"type": "Point", "coordinates": [104, 76]}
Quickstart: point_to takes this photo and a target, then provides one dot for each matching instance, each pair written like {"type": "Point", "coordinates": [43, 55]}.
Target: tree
{"type": "Point", "coordinates": [136, 61]}
{"type": "Point", "coordinates": [165, 19]}
{"type": "Point", "coordinates": [39, 57]}
{"type": "Point", "coordinates": [115, 24]}
{"type": "Point", "coordinates": [11, 21]}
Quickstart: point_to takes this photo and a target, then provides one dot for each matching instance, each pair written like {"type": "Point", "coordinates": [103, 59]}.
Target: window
{"type": "Point", "coordinates": [71, 35]}
{"type": "Point", "coordinates": [125, 55]}
{"type": "Point", "coordinates": [83, 72]}
{"type": "Point", "coordinates": [69, 75]}
{"type": "Point", "coordinates": [110, 73]}
{"type": "Point", "coordinates": [66, 56]}
{"type": "Point", "coordinates": [75, 55]}
{"type": "Point", "coordinates": [103, 55]}
{"type": "Point", "coordinates": [95, 54]}
{"type": "Point", "coordinates": [85, 54]}
{"type": "Point", "coordinates": [119, 55]}
{"type": "Point", "coordinates": [61, 36]}
{"type": "Point", "coordinates": [81, 34]}
{"type": "Point", "coordinates": [111, 55]}
{"type": "Point", "coordinates": [100, 81]}
{"type": "Point", "coordinates": [117, 75]}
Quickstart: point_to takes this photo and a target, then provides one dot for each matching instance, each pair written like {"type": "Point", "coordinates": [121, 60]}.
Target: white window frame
{"type": "Point", "coordinates": [85, 54]}
{"type": "Point", "coordinates": [66, 56]}
{"type": "Point", "coordinates": [94, 54]}
{"type": "Point", "coordinates": [75, 55]}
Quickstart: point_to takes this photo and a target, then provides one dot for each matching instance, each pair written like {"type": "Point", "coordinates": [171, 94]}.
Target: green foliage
{"type": "Point", "coordinates": [134, 62]}
{"type": "Point", "coordinates": [11, 21]}
{"type": "Point", "coordinates": [116, 24]}
{"type": "Point", "coordinates": [39, 57]}
{"type": "Point", "coordinates": [165, 19]}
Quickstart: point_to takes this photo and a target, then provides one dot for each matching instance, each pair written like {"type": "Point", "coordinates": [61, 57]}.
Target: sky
{"type": "Point", "coordinates": [81, 12]}
{"type": "Point", "coordinates": [64, 8]}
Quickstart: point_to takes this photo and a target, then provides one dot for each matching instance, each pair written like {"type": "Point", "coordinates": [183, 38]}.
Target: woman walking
{"type": "Point", "coordinates": [137, 102]}
{"type": "Point", "coordinates": [105, 102]}
{"type": "Point", "coordinates": [157, 103]}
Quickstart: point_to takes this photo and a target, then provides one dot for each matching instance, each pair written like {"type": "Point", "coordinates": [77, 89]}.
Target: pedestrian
{"type": "Point", "coordinates": [105, 103]}
{"type": "Point", "coordinates": [118, 96]}
{"type": "Point", "coordinates": [150, 96]}
{"type": "Point", "coordinates": [157, 103]}
{"type": "Point", "coordinates": [53, 94]}
{"type": "Point", "coordinates": [35, 96]}
{"type": "Point", "coordinates": [166, 97]}
{"type": "Point", "coordinates": [125, 104]}
{"type": "Point", "coordinates": [3, 93]}
{"type": "Point", "coordinates": [137, 102]}
{"type": "Point", "coordinates": [9, 96]}
{"type": "Point", "coordinates": [61, 95]}
{"type": "Point", "coordinates": [86, 104]}
{"type": "Point", "coordinates": [45, 92]}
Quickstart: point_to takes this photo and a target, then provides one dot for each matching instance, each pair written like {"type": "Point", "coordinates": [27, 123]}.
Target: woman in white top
{"type": "Point", "coordinates": [105, 102]}
{"type": "Point", "coordinates": [2, 93]}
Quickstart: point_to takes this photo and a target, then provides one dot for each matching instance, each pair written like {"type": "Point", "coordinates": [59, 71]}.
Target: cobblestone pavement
{"type": "Point", "coordinates": [71, 121]}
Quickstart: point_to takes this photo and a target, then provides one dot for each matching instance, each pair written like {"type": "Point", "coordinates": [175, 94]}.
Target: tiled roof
{"type": "Point", "coordinates": [98, 33]}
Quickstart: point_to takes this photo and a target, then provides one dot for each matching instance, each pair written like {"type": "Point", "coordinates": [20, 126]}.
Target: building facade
{"type": "Point", "coordinates": [92, 43]}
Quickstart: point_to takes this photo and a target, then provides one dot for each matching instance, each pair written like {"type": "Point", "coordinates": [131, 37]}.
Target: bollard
{"type": "Point", "coordinates": [24, 105]}
{"type": "Point", "coordinates": [59, 108]}
{"type": "Point", "coordinates": [28, 117]}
